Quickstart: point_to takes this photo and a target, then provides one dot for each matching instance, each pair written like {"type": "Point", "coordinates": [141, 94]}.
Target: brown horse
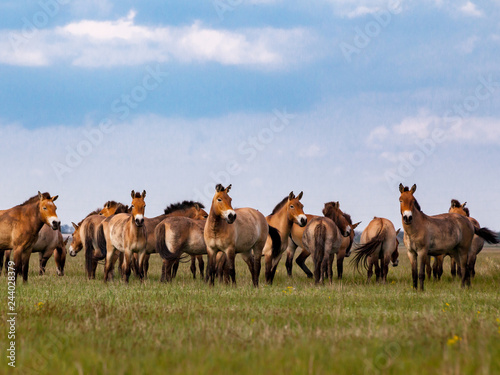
{"type": "Point", "coordinates": [19, 227]}
{"type": "Point", "coordinates": [85, 235]}
{"type": "Point", "coordinates": [176, 235]}
{"type": "Point", "coordinates": [449, 234]}
{"type": "Point", "coordinates": [286, 213]}
{"type": "Point", "coordinates": [242, 231]}
{"type": "Point", "coordinates": [190, 209]}
{"type": "Point", "coordinates": [378, 246]}
{"type": "Point", "coordinates": [124, 233]}
{"type": "Point", "coordinates": [50, 242]}
{"type": "Point", "coordinates": [343, 222]}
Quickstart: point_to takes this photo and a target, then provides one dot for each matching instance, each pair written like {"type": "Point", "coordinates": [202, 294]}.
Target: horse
{"type": "Point", "coordinates": [242, 231]}
{"type": "Point", "coordinates": [49, 242]}
{"type": "Point", "coordinates": [448, 234]}
{"type": "Point", "coordinates": [85, 235]}
{"type": "Point", "coordinates": [176, 235]}
{"type": "Point", "coordinates": [190, 209]}
{"type": "Point", "coordinates": [20, 225]}
{"type": "Point", "coordinates": [343, 222]}
{"type": "Point", "coordinates": [378, 246]}
{"type": "Point", "coordinates": [286, 213]}
{"type": "Point", "coordinates": [124, 233]}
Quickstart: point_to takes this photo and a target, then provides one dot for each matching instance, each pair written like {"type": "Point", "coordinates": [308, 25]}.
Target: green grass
{"type": "Point", "coordinates": [72, 325]}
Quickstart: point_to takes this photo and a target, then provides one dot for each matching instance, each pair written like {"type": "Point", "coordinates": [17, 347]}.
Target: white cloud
{"type": "Point", "coordinates": [468, 45]}
{"type": "Point", "coordinates": [470, 9]}
{"type": "Point", "coordinates": [90, 43]}
{"type": "Point", "coordinates": [378, 135]}
{"type": "Point", "coordinates": [312, 151]}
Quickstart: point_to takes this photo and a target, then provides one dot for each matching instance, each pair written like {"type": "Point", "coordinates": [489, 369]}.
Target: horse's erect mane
{"type": "Point", "coordinates": [120, 207]}
{"type": "Point", "coordinates": [279, 206]}
{"type": "Point", "coordinates": [184, 205]}
{"type": "Point", "coordinates": [348, 218]}
{"type": "Point", "coordinates": [35, 198]}
{"type": "Point", "coordinates": [417, 205]}
{"type": "Point", "coordinates": [333, 212]}
{"type": "Point", "coordinates": [455, 203]}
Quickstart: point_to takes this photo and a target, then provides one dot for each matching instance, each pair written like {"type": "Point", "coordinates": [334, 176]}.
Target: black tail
{"type": "Point", "coordinates": [276, 239]}
{"type": "Point", "coordinates": [319, 243]}
{"type": "Point", "coordinates": [101, 240]}
{"type": "Point", "coordinates": [163, 250]}
{"type": "Point", "coordinates": [89, 248]}
{"type": "Point", "coordinates": [487, 235]}
{"type": "Point", "coordinates": [366, 250]}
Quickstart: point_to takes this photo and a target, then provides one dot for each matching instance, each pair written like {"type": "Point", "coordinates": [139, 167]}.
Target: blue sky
{"type": "Point", "coordinates": [341, 99]}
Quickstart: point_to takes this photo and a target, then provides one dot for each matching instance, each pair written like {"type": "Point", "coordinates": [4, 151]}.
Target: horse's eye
{"type": "Point", "coordinates": [291, 206]}
{"type": "Point", "coordinates": [45, 208]}
{"type": "Point", "coordinates": [219, 200]}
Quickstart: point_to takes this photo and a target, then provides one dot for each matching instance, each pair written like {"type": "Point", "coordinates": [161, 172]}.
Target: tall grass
{"type": "Point", "coordinates": [72, 325]}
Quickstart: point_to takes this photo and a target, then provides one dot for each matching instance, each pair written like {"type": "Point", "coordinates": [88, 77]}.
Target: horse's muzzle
{"type": "Point", "coordinates": [302, 220]}
{"type": "Point", "coordinates": [139, 222]}
{"type": "Point", "coordinates": [231, 218]}
{"type": "Point", "coordinates": [396, 263]}
{"type": "Point", "coordinates": [56, 225]}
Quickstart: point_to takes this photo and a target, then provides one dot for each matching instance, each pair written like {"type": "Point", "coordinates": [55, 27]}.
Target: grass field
{"type": "Point", "coordinates": [74, 326]}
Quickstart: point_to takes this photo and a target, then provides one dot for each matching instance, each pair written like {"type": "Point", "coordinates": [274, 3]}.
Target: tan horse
{"type": "Point", "coordinates": [50, 242]}
{"type": "Point", "coordinates": [124, 233]}
{"type": "Point", "coordinates": [477, 244]}
{"type": "Point", "coordinates": [20, 225]}
{"type": "Point", "coordinates": [445, 234]}
{"type": "Point", "coordinates": [176, 235]}
{"type": "Point", "coordinates": [242, 231]}
{"type": "Point", "coordinates": [378, 246]}
{"type": "Point", "coordinates": [342, 221]}
{"type": "Point", "coordinates": [85, 235]}
{"type": "Point", "coordinates": [286, 213]}
{"type": "Point", "coordinates": [190, 209]}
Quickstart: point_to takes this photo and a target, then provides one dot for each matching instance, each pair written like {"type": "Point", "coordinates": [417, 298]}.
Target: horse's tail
{"type": "Point", "coordinates": [276, 240]}
{"type": "Point", "coordinates": [487, 235]}
{"type": "Point", "coordinates": [101, 240]}
{"type": "Point", "coordinates": [89, 248]}
{"type": "Point", "coordinates": [162, 248]}
{"type": "Point", "coordinates": [319, 242]}
{"type": "Point", "coordinates": [366, 250]}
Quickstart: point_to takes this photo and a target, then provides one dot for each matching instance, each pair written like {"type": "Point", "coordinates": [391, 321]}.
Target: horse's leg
{"type": "Point", "coordinates": [1, 260]}
{"type": "Point", "coordinates": [42, 264]}
{"type": "Point", "coordinates": [212, 255]}
{"type": "Point", "coordinates": [257, 261]}
{"type": "Point", "coordinates": [193, 266]}
{"type": "Point", "coordinates": [472, 264]}
{"type": "Point", "coordinates": [428, 268]}
{"type": "Point", "coordinates": [378, 271]}
{"type": "Point", "coordinates": [423, 257]}
{"type": "Point", "coordinates": [145, 266]}
{"type": "Point", "coordinates": [110, 262]}
{"type": "Point", "coordinates": [276, 261]}
{"type": "Point", "coordinates": [201, 265]}
{"type": "Point", "coordinates": [453, 266]}
{"type": "Point", "coordinates": [290, 252]}
{"type": "Point", "coordinates": [94, 267]}
{"type": "Point", "coordinates": [340, 266]}
{"type": "Point", "coordinates": [126, 266]}
{"type": "Point", "coordinates": [7, 260]}
{"type": "Point", "coordinates": [370, 270]}
{"type": "Point", "coordinates": [26, 264]}
{"type": "Point", "coordinates": [140, 263]}
{"type": "Point", "coordinates": [60, 259]}
{"type": "Point", "coordinates": [18, 261]}
{"type": "Point", "coordinates": [268, 261]}
{"type": "Point", "coordinates": [231, 254]}
{"type": "Point", "coordinates": [414, 267]}
{"type": "Point", "coordinates": [301, 262]}
{"type": "Point", "coordinates": [463, 256]}
{"type": "Point", "coordinates": [175, 267]}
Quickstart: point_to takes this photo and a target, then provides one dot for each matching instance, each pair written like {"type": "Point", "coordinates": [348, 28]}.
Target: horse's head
{"type": "Point", "coordinates": [395, 253]}
{"type": "Point", "coordinates": [333, 212]}
{"type": "Point", "coordinates": [457, 208]}
{"type": "Point", "coordinates": [407, 202]}
{"type": "Point", "coordinates": [48, 210]}
{"type": "Point", "coordinates": [221, 204]}
{"type": "Point", "coordinates": [199, 213]}
{"type": "Point", "coordinates": [353, 234]}
{"type": "Point", "coordinates": [295, 209]}
{"type": "Point", "coordinates": [138, 207]}
{"type": "Point", "coordinates": [76, 242]}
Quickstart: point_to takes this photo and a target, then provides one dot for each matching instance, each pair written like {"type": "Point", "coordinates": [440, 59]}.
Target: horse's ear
{"type": "Point", "coordinates": [229, 188]}
{"type": "Point", "coordinates": [143, 194]}
{"type": "Point", "coordinates": [40, 196]}
{"type": "Point", "coordinates": [301, 194]}
{"type": "Point", "coordinates": [54, 198]}
{"type": "Point", "coordinates": [397, 232]}
{"type": "Point", "coordinates": [219, 188]}
{"type": "Point", "coordinates": [356, 225]}
{"type": "Point", "coordinates": [197, 206]}
{"type": "Point", "coordinates": [132, 194]}
{"type": "Point", "coordinates": [413, 188]}
{"type": "Point", "coordinates": [66, 241]}
{"type": "Point", "coordinates": [291, 196]}
{"type": "Point", "coordinates": [401, 188]}
{"type": "Point", "coordinates": [336, 204]}
{"type": "Point", "coordinates": [74, 225]}
{"type": "Point", "coordinates": [463, 205]}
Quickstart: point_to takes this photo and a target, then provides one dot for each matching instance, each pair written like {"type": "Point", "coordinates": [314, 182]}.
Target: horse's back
{"type": "Point", "coordinates": [250, 227]}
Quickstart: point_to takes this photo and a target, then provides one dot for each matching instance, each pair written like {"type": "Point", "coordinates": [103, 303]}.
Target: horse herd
{"type": "Point", "coordinates": [118, 232]}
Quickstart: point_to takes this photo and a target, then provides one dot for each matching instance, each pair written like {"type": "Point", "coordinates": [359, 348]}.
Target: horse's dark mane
{"type": "Point", "coordinates": [35, 198]}
{"type": "Point", "coordinates": [184, 205]}
{"type": "Point", "coordinates": [333, 212]}
{"type": "Point", "coordinates": [138, 195]}
{"type": "Point", "coordinates": [121, 208]}
{"type": "Point", "coordinates": [279, 206]}
{"type": "Point", "coordinates": [348, 218]}
{"type": "Point", "coordinates": [417, 205]}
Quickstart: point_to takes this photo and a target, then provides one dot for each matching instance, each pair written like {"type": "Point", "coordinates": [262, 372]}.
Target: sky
{"type": "Point", "coordinates": [343, 100]}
